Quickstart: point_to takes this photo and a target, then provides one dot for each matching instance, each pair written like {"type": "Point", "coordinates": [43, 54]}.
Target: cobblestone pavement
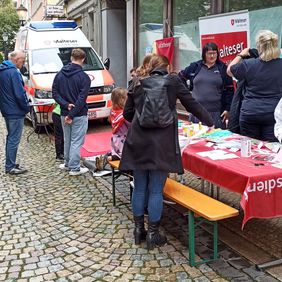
{"type": "Point", "coordinates": [55, 227]}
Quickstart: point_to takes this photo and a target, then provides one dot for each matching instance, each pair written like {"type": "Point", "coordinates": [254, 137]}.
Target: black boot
{"type": "Point", "coordinates": [139, 230]}
{"type": "Point", "coordinates": [154, 237]}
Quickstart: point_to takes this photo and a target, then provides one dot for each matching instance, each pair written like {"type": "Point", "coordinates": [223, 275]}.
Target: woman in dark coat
{"type": "Point", "coordinates": [154, 152]}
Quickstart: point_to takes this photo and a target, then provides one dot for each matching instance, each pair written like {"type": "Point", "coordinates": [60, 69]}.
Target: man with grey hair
{"type": "Point", "coordinates": [14, 106]}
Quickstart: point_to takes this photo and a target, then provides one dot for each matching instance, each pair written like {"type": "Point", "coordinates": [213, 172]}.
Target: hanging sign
{"type": "Point", "coordinates": [165, 47]}
{"type": "Point", "coordinates": [230, 32]}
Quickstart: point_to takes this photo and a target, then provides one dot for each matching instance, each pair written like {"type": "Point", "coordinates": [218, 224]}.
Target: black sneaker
{"type": "Point", "coordinates": [16, 170]}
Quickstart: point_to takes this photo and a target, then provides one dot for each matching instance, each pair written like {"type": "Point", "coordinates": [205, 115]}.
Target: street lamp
{"type": "Point", "coordinates": [5, 40]}
{"type": "Point", "coordinates": [22, 12]}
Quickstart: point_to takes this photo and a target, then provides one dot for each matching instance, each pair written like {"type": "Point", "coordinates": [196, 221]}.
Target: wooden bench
{"type": "Point", "coordinates": [204, 207]}
{"type": "Point", "coordinates": [116, 174]}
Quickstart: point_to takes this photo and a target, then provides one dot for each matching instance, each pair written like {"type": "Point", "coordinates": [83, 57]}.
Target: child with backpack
{"type": "Point", "coordinates": [119, 124]}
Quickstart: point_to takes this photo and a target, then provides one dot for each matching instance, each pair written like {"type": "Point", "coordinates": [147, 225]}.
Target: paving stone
{"type": "Point", "coordinates": [57, 228]}
{"type": "Point", "coordinates": [251, 271]}
{"type": "Point", "coordinates": [140, 277]}
{"type": "Point", "coordinates": [75, 277]}
{"type": "Point", "coordinates": [27, 273]}
{"type": "Point", "coordinates": [36, 279]}
{"type": "Point", "coordinates": [239, 263]}
{"type": "Point", "coordinates": [230, 273]}
{"type": "Point", "coordinates": [202, 279]}
{"type": "Point", "coordinates": [99, 274]}
{"type": "Point", "coordinates": [266, 278]}
{"type": "Point", "coordinates": [40, 271]}
{"type": "Point", "coordinates": [180, 276]}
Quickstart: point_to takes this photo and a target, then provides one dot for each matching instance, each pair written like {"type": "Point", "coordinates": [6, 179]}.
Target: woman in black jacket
{"type": "Point", "coordinates": [154, 152]}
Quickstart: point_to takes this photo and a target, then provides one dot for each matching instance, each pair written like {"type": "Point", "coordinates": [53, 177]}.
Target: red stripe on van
{"type": "Point", "coordinates": [95, 98]}
{"type": "Point", "coordinates": [108, 80]}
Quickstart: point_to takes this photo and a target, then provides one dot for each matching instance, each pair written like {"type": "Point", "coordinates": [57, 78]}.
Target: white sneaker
{"type": "Point", "coordinates": [78, 172]}
{"type": "Point", "coordinates": [63, 167]}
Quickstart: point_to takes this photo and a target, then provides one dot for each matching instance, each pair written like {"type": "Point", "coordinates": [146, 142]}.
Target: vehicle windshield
{"type": "Point", "coordinates": [53, 59]}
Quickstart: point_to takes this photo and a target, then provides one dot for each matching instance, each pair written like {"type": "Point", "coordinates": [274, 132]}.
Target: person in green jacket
{"type": "Point", "coordinates": [58, 131]}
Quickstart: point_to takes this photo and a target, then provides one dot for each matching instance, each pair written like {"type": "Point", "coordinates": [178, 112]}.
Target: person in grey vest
{"type": "Point", "coordinates": [210, 85]}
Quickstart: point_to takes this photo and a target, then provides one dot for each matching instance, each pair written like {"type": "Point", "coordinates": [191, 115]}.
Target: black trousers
{"type": "Point", "coordinates": [259, 127]}
{"type": "Point", "coordinates": [59, 134]}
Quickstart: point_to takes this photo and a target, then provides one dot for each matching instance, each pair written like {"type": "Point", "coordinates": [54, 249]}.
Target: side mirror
{"type": "Point", "coordinates": [107, 63]}
{"type": "Point", "coordinates": [24, 71]}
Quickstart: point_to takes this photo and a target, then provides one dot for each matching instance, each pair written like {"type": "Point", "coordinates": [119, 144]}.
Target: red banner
{"type": "Point", "coordinates": [230, 32]}
{"type": "Point", "coordinates": [229, 44]}
{"type": "Point", "coordinates": [165, 47]}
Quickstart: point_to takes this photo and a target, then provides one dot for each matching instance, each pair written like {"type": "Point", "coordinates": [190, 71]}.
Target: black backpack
{"type": "Point", "coordinates": [156, 112]}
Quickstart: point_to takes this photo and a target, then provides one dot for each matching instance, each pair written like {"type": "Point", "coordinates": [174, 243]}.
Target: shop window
{"type": "Point", "coordinates": [235, 5]}
{"type": "Point", "coordinates": [150, 25]}
{"type": "Point", "coordinates": [186, 30]}
{"type": "Point", "coordinates": [264, 14]}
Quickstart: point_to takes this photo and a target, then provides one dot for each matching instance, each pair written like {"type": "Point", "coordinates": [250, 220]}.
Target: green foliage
{"type": "Point", "coordinates": [151, 11]}
{"type": "Point", "coordinates": [190, 10]}
{"type": "Point", "coordinates": [1, 58]}
{"type": "Point", "coordinates": [184, 11]}
{"type": "Point", "coordinates": [9, 24]}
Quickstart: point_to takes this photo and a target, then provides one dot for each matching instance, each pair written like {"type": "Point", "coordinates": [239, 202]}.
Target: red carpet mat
{"type": "Point", "coordinates": [96, 144]}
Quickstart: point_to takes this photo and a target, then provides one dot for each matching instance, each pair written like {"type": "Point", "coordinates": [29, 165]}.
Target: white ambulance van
{"type": "Point", "coordinates": [48, 46]}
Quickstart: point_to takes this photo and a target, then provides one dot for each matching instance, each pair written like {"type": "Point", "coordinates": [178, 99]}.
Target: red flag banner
{"type": "Point", "coordinates": [165, 47]}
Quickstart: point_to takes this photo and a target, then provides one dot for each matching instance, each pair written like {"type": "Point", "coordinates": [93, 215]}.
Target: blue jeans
{"type": "Point", "coordinates": [15, 129]}
{"type": "Point", "coordinates": [74, 135]}
{"type": "Point", "coordinates": [150, 182]}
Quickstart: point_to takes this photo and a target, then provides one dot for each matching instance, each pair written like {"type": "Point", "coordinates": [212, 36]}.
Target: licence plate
{"type": "Point", "coordinates": [92, 115]}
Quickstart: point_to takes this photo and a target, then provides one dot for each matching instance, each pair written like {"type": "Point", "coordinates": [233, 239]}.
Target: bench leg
{"type": "Point", "coordinates": [191, 229]}
{"type": "Point", "coordinates": [113, 187]}
{"type": "Point", "coordinates": [191, 224]}
{"type": "Point", "coordinates": [215, 240]}
{"type": "Point", "coordinates": [202, 185]}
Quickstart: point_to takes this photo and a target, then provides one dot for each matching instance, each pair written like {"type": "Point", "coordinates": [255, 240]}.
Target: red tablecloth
{"type": "Point", "coordinates": [260, 186]}
{"type": "Point", "coordinates": [96, 144]}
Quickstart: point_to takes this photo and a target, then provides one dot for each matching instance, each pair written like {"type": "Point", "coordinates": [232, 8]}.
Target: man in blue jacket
{"type": "Point", "coordinates": [70, 90]}
{"type": "Point", "coordinates": [14, 106]}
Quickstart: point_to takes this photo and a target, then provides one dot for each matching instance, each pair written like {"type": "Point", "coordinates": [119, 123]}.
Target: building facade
{"type": "Point", "coordinates": [125, 30]}
{"type": "Point", "coordinates": [104, 24]}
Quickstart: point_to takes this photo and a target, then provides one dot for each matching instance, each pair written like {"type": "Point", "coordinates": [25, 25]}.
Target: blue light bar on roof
{"type": "Point", "coordinates": [53, 25]}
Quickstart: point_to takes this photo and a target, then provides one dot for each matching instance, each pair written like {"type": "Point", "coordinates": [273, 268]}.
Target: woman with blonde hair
{"type": "Point", "coordinates": [263, 86]}
{"type": "Point", "coordinates": [151, 153]}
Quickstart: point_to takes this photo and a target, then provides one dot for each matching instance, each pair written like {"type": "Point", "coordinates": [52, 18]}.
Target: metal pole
{"type": "Point", "coordinates": [5, 52]}
{"type": "Point", "coordinates": [268, 264]}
